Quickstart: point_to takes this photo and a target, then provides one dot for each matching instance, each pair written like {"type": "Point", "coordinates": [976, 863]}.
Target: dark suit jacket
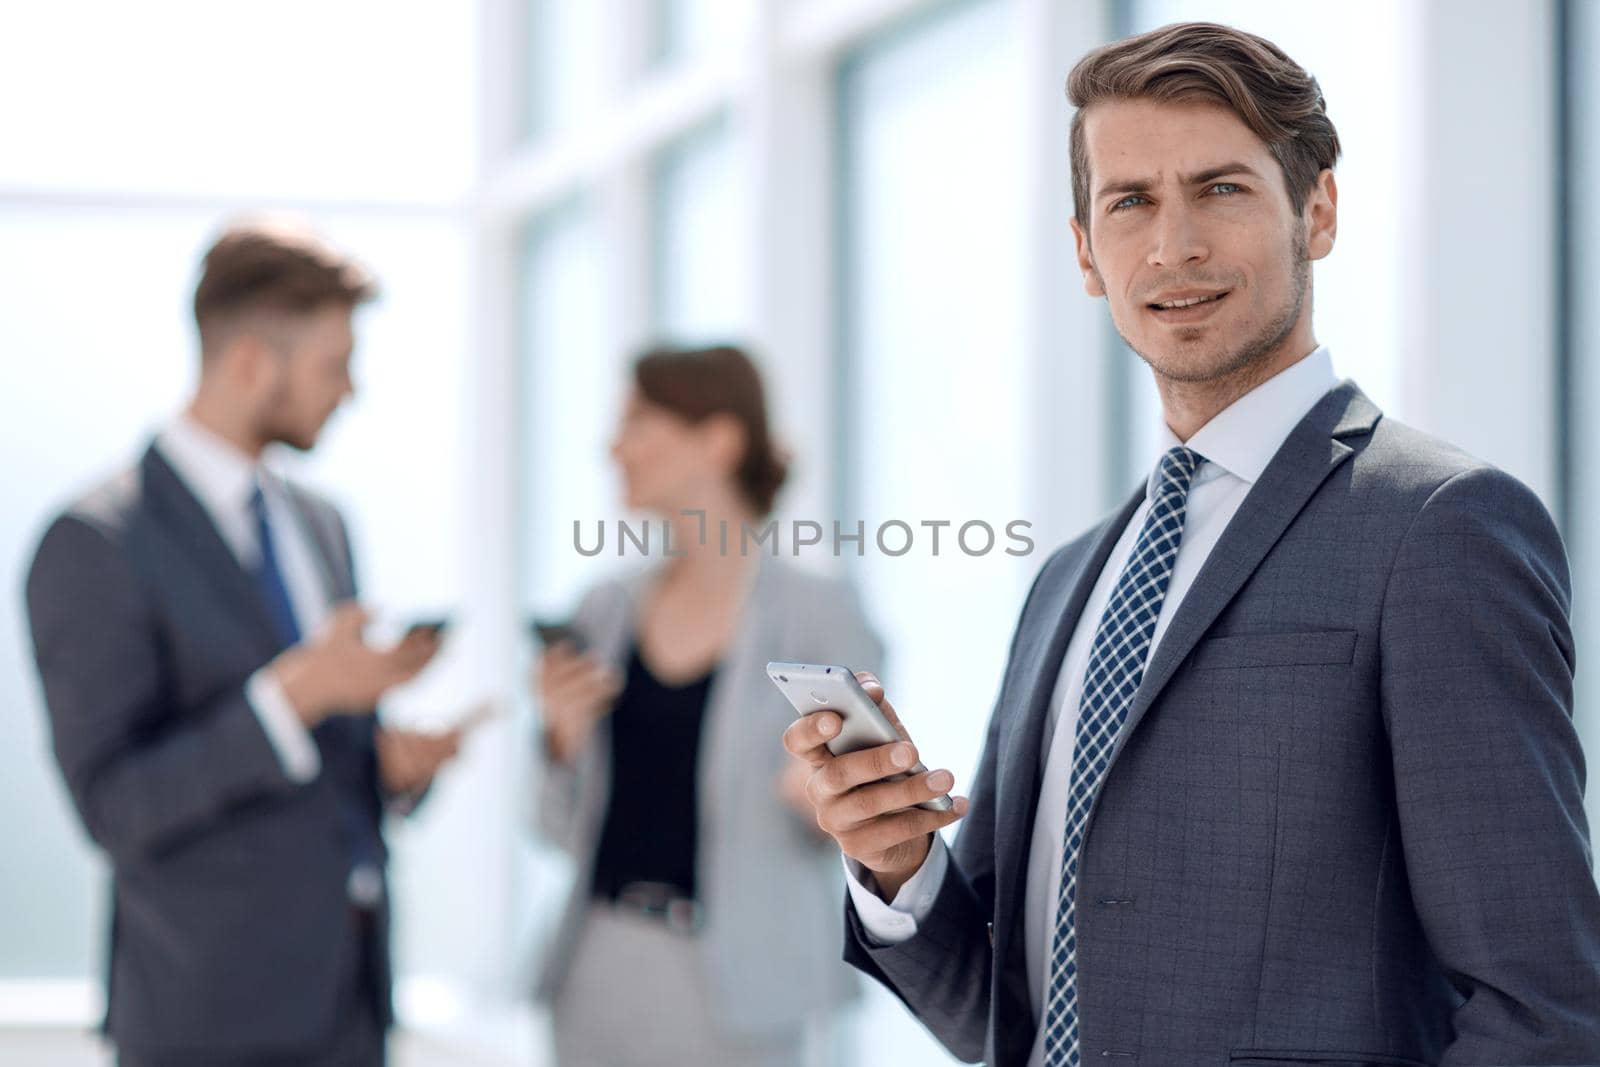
{"type": "Point", "coordinates": [231, 924]}
{"type": "Point", "coordinates": [1344, 820]}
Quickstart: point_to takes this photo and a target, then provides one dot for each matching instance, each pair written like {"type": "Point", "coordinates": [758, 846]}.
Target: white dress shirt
{"type": "Point", "coordinates": [1237, 444]}
{"type": "Point", "coordinates": [223, 478]}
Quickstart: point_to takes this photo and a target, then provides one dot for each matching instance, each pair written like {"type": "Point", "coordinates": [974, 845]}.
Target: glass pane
{"type": "Point", "coordinates": [698, 252]}
{"type": "Point", "coordinates": [360, 99]}
{"type": "Point", "coordinates": [572, 388]}
{"type": "Point", "coordinates": [569, 394]}
{"type": "Point", "coordinates": [565, 65]}
{"type": "Point", "coordinates": [933, 254]}
{"type": "Point", "coordinates": [1362, 65]}
{"type": "Point", "coordinates": [686, 30]}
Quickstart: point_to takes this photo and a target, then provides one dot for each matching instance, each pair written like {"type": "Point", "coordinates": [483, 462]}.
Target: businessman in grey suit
{"type": "Point", "coordinates": [1282, 768]}
{"type": "Point", "coordinates": [210, 695]}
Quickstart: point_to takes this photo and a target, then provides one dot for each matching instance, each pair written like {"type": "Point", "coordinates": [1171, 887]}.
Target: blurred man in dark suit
{"type": "Point", "coordinates": [211, 695]}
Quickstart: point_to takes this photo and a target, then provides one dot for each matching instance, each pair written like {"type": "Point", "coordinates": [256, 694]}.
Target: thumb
{"type": "Point", "coordinates": [347, 619]}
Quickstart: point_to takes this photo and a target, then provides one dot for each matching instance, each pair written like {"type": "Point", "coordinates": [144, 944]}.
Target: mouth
{"type": "Point", "coordinates": [1188, 309]}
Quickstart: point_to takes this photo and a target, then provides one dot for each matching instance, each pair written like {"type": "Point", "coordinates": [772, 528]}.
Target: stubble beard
{"type": "Point", "coordinates": [1255, 352]}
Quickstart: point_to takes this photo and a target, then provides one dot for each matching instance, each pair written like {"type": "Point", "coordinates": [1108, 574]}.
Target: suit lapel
{"type": "Point", "coordinates": [186, 518]}
{"type": "Point", "coordinates": [1060, 601]}
{"type": "Point", "coordinates": [327, 542]}
{"type": "Point", "coordinates": [1312, 452]}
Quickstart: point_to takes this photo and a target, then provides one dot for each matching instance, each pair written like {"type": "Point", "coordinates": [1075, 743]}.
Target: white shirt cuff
{"type": "Point", "coordinates": [296, 749]}
{"type": "Point", "coordinates": [896, 921]}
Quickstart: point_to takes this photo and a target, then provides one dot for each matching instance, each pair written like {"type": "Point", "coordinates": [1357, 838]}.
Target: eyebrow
{"type": "Point", "coordinates": [1144, 185]}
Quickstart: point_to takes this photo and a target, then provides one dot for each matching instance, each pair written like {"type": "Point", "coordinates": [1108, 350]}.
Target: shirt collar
{"type": "Point", "coordinates": [218, 472]}
{"type": "Point", "coordinates": [1243, 437]}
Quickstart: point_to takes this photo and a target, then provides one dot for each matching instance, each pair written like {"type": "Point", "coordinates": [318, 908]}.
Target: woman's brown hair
{"type": "Point", "coordinates": [696, 383]}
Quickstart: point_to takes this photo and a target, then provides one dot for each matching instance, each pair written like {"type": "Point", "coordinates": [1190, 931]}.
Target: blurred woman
{"type": "Point", "coordinates": [704, 927]}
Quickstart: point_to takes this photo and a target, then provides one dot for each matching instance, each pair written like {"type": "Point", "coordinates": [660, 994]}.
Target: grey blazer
{"type": "Point", "coordinates": [769, 882]}
{"type": "Point", "coordinates": [1344, 821]}
{"type": "Point", "coordinates": [230, 921]}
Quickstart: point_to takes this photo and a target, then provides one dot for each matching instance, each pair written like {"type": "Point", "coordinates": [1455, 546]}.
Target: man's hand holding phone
{"type": "Point", "coordinates": [875, 822]}
{"type": "Point", "coordinates": [335, 670]}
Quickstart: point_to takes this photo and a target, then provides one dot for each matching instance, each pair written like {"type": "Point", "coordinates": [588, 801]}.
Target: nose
{"type": "Point", "coordinates": [1178, 241]}
{"type": "Point", "coordinates": [618, 451]}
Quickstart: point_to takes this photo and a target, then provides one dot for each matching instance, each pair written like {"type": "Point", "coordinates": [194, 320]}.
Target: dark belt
{"type": "Point", "coordinates": [662, 903]}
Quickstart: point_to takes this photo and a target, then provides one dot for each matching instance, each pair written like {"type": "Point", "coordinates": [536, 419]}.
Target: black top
{"type": "Point", "coordinates": [650, 826]}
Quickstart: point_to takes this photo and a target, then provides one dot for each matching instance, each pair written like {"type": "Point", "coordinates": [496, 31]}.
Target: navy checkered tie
{"type": "Point", "coordinates": [1116, 666]}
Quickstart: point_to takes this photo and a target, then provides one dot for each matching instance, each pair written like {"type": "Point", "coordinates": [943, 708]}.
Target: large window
{"type": "Point", "coordinates": [135, 144]}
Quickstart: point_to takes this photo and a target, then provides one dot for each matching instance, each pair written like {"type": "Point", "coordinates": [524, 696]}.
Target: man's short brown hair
{"type": "Point", "coordinates": [1251, 76]}
{"type": "Point", "coordinates": [272, 266]}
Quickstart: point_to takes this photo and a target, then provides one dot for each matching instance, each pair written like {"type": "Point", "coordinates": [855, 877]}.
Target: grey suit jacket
{"type": "Point", "coordinates": [768, 880]}
{"type": "Point", "coordinates": [230, 918]}
{"type": "Point", "coordinates": [1344, 820]}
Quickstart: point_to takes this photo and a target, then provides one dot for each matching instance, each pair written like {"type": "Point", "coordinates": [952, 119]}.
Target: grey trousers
{"type": "Point", "coordinates": [636, 997]}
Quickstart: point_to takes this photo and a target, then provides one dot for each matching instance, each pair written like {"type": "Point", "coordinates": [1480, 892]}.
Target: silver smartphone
{"type": "Point", "coordinates": [811, 688]}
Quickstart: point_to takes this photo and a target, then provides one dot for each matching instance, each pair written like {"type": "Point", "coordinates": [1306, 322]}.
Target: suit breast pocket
{"type": "Point", "coordinates": [1303, 1058]}
{"type": "Point", "coordinates": [1310, 649]}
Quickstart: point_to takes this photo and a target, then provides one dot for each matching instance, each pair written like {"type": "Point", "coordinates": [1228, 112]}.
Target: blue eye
{"type": "Point", "coordinates": [1232, 187]}
{"type": "Point", "coordinates": [1126, 202]}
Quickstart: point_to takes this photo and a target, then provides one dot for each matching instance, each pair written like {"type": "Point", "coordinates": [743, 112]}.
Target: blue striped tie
{"type": "Point", "coordinates": [1116, 666]}
{"type": "Point", "coordinates": [269, 578]}
{"type": "Point", "coordinates": [338, 737]}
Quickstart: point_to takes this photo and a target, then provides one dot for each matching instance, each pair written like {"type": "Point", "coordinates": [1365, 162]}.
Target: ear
{"type": "Point", "coordinates": [247, 358]}
{"type": "Point", "coordinates": [1321, 216]}
{"type": "Point", "coordinates": [725, 439]}
{"type": "Point", "coordinates": [1093, 284]}
{"type": "Point", "coordinates": [261, 364]}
